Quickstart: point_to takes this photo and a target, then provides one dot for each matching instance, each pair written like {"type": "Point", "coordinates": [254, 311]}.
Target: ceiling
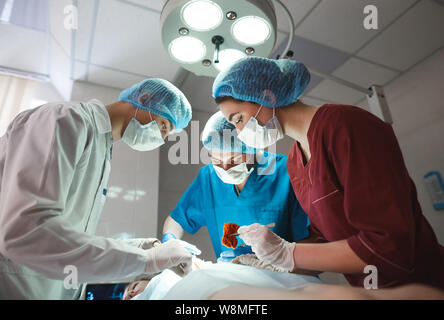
{"type": "Point", "coordinates": [117, 42]}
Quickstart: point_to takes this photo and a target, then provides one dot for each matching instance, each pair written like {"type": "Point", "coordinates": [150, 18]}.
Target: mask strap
{"type": "Point", "coordinates": [258, 111]}
{"type": "Point", "coordinates": [151, 116]}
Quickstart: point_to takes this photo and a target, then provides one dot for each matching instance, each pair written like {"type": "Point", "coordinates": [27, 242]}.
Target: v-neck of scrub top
{"type": "Point", "coordinates": [300, 154]}
{"type": "Point", "coordinates": [246, 190]}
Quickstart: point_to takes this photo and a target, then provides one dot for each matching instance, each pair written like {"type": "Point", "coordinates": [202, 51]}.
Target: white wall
{"type": "Point", "coordinates": [416, 101]}
{"type": "Point", "coordinates": [133, 188]}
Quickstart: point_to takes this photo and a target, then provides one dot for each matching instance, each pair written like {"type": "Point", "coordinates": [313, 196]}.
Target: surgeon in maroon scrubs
{"type": "Point", "coordinates": [348, 173]}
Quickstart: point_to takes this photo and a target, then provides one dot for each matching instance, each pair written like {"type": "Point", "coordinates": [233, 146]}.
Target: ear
{"type": "Point", "coordinates": [269, 96]}
{"type": "Point", "coordinates": [144, 98]}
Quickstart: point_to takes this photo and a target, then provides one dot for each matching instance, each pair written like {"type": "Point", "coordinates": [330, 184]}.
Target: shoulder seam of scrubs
{"type": "Point", "coordinates": [100, 110]}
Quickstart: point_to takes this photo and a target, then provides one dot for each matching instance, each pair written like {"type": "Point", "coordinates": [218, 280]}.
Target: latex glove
{"type": "Point", "coordinates": [268, 246]}
{"type": "Point", "coordinates": [190, 247]}
{"type": "Point", "coordinates": [253, 261]}
{"type": "Point", "coordinates": [168, 255]}
{"type": "Point", "coordinates": [143, 243]}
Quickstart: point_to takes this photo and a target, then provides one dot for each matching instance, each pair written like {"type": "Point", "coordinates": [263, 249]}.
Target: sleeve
{"type": "Point", "coordinates": [41, 154]}
{"type": "Point", "coordinates": [299, 222]}
{"type": "Point", "coordinates": [189, 211]}
{"type": "Point", "coordinates": [378, 192]}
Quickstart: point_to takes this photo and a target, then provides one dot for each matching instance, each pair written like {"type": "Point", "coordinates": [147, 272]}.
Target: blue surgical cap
{"type": "Point", "coordinates": [162, 98]}
{"type": "Point", "coordinates": [271, 83]}
{"type": "Point", "coordinates": [221, 135]}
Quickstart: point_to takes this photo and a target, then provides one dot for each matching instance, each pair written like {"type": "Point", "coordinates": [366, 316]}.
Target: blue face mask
{"type": "Point", "coordinates": [143, 137]}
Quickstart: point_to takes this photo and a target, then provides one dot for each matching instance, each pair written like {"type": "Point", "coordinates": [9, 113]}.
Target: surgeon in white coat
{"type": "Point", "coordinates": [55, 162]}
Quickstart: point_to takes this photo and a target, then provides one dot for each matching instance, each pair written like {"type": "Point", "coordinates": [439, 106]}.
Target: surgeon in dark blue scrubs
{"type": "Point", "coordinates": [242, 185]}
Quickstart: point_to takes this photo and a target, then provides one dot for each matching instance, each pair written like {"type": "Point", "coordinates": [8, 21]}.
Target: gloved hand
{"type": "Point", "coordinates": [167, 255]}
{"type": "Point", "coordinates": [268, 246]}
{"type": "Point", "coordinates": [253, 261]}
{"type": "Point", "coordinates": [143, 243]}
{"type": "Point", "coordinates": [190, 247]}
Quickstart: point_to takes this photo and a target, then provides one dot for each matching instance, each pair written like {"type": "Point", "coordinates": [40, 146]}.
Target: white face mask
{"type": "Point", "coordinates": [234, 175]}
{"type": "Point", "coordinates": [143, 137]}
{"type": "Point", "coordinates": [261, 137]}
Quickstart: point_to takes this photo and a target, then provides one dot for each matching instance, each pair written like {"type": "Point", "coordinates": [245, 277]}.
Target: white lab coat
{"type": "Point", "coordinates": [54, 168]}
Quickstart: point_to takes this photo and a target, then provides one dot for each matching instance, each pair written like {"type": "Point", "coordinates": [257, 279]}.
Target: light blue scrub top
{"type": "Point", "coordinates": [266, 197]}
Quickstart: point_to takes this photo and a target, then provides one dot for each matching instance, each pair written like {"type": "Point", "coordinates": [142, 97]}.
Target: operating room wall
{"type": "Point", "coordinates": [131, 206]}
{"type": "Point", "coordinates": [416, 101]}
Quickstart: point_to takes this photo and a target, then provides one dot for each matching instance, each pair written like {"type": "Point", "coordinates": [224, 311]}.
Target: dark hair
{"type": "Point", "coordinates": [219, 100]}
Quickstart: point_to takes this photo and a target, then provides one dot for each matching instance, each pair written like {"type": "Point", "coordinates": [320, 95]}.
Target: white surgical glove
{"type": "Point", "coordinates": [268, 246]}
{"type": "Point", "coordinates": [190, 247]}
{"type": "Point", "coordinates": [167, 255]}
{"type": "Point", "coordinates": [143, 243]}
{"type": "Point", "coordinates": [253, 261]}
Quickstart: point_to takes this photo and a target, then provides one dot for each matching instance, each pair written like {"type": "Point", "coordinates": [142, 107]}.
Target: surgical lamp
{"type": "Point", "coordinates": [206, 37]}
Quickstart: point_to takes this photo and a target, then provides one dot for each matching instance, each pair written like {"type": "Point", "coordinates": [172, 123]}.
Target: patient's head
{"type": "Point", "coordinates": [135, 288]}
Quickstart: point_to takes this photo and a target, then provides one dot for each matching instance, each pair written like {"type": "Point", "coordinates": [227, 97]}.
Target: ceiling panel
{"type": "Point", "coordinates": [364, 73]}
{"type": "Point", "coordinates": [315, 55]}
{"type": "Point", "coordinates": [23, 49]}
{"type": "Point", "coordinates": [57, 24]}
{"type": "Point", "coordinates": [112, 78]}
{"type": "Point", "coordinates": [312, 101]}
{"type": "Point", "coordinates": [413, 37]}
{"type": "Point", "coordinates": [83, 33]}
{"type": "Point", "coordinates": [30, 14]}
{"type": "Point", "coordinates": [153, 4]}
{"type": "Point", "coordinates": [335, 93]}
{"type": "Point", "coordinates": [128, 38]}
{"type": "Point", "coordinates": [298, 10]}
{"type": "Point", "coordinates": [339, 23]}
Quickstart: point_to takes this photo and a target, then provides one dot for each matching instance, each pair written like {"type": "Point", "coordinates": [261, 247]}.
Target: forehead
{"type": "Point", "coordinates": [221, 155]}
{"type": "Point", "coordinates": [229, 108]}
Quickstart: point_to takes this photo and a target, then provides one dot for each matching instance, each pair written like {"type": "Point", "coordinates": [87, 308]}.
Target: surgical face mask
{"type": "Point", "coordinates": [143, 137]}
{"type": "Point", "coordinates": [261, 137]}
{"type": "Point", "coordinates": [234, 175]}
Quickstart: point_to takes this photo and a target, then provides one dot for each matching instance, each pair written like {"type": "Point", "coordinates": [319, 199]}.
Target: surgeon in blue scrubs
{"type": "Point", "coordinates": [242, 185]}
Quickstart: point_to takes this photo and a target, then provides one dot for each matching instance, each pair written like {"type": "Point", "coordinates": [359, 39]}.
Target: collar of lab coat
{"type": "Point", "coordinates": [101, 116]}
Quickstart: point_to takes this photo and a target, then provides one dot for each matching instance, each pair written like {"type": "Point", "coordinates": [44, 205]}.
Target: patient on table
{"type": "Point", "coordinates": [258, 281]}
{"type": "Point", "coordinates": [208, 278]}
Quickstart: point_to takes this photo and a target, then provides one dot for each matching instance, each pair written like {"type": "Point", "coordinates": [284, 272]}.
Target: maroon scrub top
{"type": "Point", "coordinates": [356, 187]}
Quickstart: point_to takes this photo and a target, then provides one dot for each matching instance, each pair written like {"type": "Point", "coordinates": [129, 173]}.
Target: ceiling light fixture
{"type": "Point", "coordinates": [207, 36]}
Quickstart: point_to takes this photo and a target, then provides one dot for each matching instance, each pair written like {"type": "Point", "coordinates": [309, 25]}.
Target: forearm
{"type": "Point", "coordinates": [171, 226]}
{"type": "Point", "coordinates": [327, 257]}
{"type": "Point", "coordinates": [95, 258]}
